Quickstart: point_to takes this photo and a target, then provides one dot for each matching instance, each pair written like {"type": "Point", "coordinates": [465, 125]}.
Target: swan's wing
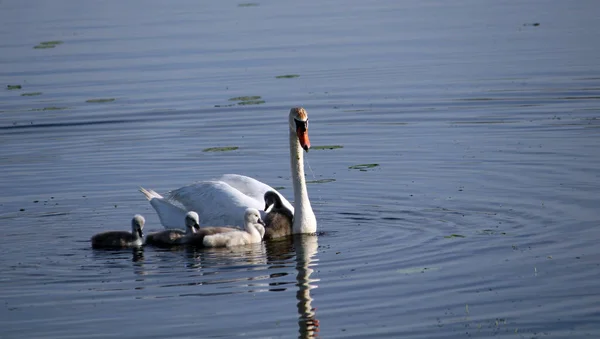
{"type": "Point", "coordinates": [216, 202]}
{"type": "Point", "coordinates": [253, 188]}
{"type": "Point", "coordinates": [170, 215]}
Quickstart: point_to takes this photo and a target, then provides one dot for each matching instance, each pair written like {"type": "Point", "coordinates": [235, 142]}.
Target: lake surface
{"type": "Point", "coordinates": [481, 219]}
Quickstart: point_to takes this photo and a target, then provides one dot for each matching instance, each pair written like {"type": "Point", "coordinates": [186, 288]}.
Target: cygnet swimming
{"type": "Point", "coordinates": [279, 219]}
{"type": "Point", "coordinates": [253, 232]}
{"type": "Point", "coordinates": [122, 239]}
{"type": "Point", "coordinates": [168, 238]}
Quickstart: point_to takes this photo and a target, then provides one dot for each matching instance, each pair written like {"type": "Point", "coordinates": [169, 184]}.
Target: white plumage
{"type": "Point", "coordinates": [222, 202]}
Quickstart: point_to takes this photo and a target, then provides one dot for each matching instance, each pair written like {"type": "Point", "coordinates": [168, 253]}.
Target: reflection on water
{"type": "Point", "coordinates": [306, 250]}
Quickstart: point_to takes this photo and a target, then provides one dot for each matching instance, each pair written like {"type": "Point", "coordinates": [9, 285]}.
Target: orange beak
{"type": "Point", "coordinates": [303, 138]}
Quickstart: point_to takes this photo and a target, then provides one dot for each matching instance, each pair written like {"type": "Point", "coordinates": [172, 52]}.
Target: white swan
{"type": "Point", "coordinates": [121, 239]}
{"type": "Point", "coordinates": [225, 237]}
{"type": "Point", "coordinates": [223, 201]}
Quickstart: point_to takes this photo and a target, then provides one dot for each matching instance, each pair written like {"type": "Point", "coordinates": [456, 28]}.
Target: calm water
{"type": "Point", "coordinates": [481, 219]}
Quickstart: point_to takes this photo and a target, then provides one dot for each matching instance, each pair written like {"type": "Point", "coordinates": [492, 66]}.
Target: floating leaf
{"type": "Point", "coordinates": [287, 76]}
{"type": "Point", "coordinates": [251, 102]}
{"type": "Point", "coordinates": [220, 149]}
{"type": "Point", "coordinates": [246, 98]}
{"type": "Point", "coordinates": [363, 167]}
{"type": "Point", "coordinates": [326, 147]}
{"type": "Point", "coordinates": [454, 236]}
{"type": "Point", "coordinates": [490, 232]}
{"type": "Point", "coordinates": [225, 105]}
{"type": "Point", "coordinates": [279, 188]}
{"type": "Point", "coordinates": [248, 4]}
{"type": "Point", "coordinates": [13, 87]}
{"type": "Point", "coordinates": [31, 94]}
{"type": "Point", "coordinates": [99, 101]}
{"type": "Point", "coordinates": [51, 108]}
{"type": "Point", "coordinates": [48, 44]}
{"type": "Point", "coordinates": [320, 181]}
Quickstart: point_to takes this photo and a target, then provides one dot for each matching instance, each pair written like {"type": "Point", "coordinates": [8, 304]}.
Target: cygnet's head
{"type": "Point", "coordinates": [137, 225]}
{"type": "Point", "coordinates": [299, 125]}
{"type": "Point", "coordinates": [272, 199]}
{"type": "Point", "coordinates": [192, 221]}
{"type": "Point", "coordinates": [253, 216]}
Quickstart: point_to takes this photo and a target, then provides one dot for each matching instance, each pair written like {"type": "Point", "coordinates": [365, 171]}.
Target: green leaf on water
{"type": "Point", "coordinates": [220, 149]}
{"type": "Point", "coordinates": [326, 147]}
{"type": "Point", "coordinates": [31, 94]}
{"type": "Point", "coordinates": [454, 236]}
{"type": "Point", "coordinates": [320, 181]}
{"type": "Point", "coordinates": [246, 98]}
{"type": "Point", "coordinates": [99, 101]}
{"type": "Point", "coordinates": [363, 167]}
{"type": "Point", "coordinates": [48, 44]}
{"type": "Point", "coordinates": [279, 187]}
{"type": "Point", "coordinates": [248, 4]}
{"type": "Point", "coordinates": [51, 108]}
{"type": "Point", "coordinates": [251, 102]}
{"type": "Point", "coordinates": [13, 87]}
{"type": "Point", "coordinates": [287, 76]}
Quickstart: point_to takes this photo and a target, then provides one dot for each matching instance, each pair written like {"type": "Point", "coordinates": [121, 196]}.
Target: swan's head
{"type": "Point", "coordinates": [252, 216]}
{"type": "Point", "coordinates": [272, 199]}
{"type": "Point", "coordinates": [299, 125]}
{"type": "Point", "coordinates": [137, 225]}
{"type": "Point", "coordinates": [192, 221]}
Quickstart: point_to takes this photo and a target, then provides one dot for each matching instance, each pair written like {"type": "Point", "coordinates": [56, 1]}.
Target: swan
{"type": "Point", "coordinates": [173, 237]}
{"type": "Point", "coordinates": [121, 239]}
{"type": "Point", "coordinates": [171, 216]}
{"type": "Point", "coordinates": [223, 201]}
{"type": "Point", "coordinates": [279, 219]}
{"type": "Point", "coordinates": [227, 237]}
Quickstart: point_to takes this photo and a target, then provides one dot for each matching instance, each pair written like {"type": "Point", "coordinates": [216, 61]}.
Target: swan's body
{"type": "Point", "coordinates": [121, 239]}
{"type": "Point", "coordinates": [171, 216]}
{"type": "Point", "coordinates": [223, 201]}
{"type": "Point", "coordinates": [227, 236]}
{"type": "Point", "coordinates": [279, 219]}
{"type": "Point", "coordinates": [172, 237]}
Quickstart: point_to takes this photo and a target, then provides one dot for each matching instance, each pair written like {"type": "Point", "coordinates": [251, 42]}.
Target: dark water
{"type": "Point", "coordinates": [481, 219]}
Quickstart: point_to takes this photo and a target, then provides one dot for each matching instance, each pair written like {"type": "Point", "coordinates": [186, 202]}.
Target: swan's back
{"type": "Point", "coordinates": [253, 188]}
{"type": "Point", "coordinates": [278, 224]}
{"type": "Point", "coordinates": [114, 239]}
{"type": "Point", "coordinates": [166, 238]}
{"type": "Point", "coordinates": [228, 239]}
{"type": "Point", "coordinates": [217, 202]}
{"type": "Point", "coordinates": [197, 239]}
{"type": "Point", "coordinates": [171, 216]}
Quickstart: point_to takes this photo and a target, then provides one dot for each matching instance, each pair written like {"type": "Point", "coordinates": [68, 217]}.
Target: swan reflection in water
{"type": "Point", "coordinates": [305, 248]}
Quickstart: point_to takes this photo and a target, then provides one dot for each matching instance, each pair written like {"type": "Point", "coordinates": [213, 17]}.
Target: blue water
{"type": "Point", "coordinates": [481, 218]}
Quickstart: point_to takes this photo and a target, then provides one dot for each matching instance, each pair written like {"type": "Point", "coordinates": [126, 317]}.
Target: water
{"type": "Point", "coordinates": [480, 220]}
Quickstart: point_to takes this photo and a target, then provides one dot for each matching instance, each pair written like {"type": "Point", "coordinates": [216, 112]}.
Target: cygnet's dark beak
{"type": "Point", "coordinates": [260, 221]}
{"type": "Point", "coordinates": [196, 226]}
{"type": "Point", "coordinates": [140, 233]}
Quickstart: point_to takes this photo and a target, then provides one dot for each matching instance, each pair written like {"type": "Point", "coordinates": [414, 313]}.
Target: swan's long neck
{"type": "Point", "coordinates": [304, 217]}
{"type": "Point", "coordinates": [254, 232]}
